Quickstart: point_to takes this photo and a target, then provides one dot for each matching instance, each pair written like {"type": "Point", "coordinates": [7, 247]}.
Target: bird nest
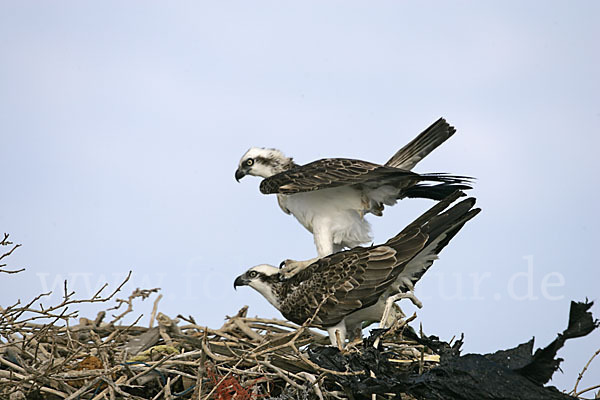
{"type": "Point", "coordinates": [43, 355]}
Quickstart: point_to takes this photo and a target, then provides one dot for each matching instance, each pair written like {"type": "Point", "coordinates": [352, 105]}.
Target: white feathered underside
{"type": "Point", "coordinates": [385, 194]}
{"type": "Point", "coordinates": [335, 215]}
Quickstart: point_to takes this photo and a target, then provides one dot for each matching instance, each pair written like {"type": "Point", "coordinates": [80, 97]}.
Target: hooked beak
{"type": "Point", "coordinates": [240, 281]}
{"type": "Point", "coordinates": [239, 174]}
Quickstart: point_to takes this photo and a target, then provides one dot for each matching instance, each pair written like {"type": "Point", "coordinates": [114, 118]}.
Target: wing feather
{"type": "Point", "coordinates": [349, 280]}
{"type": "Point", "coordinates": [333, 172]}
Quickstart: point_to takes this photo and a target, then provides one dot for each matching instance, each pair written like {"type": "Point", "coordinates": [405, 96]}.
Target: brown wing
{"type": "Point", "coordinates": [349, 281]}
{"type": "Point", "coordinates": [441, 224]}
{"type": "Point", "coordinates": [334, 172]}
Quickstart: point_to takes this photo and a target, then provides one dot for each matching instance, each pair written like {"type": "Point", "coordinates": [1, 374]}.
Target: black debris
{"type": "Point", "coordinates": [512, 374]}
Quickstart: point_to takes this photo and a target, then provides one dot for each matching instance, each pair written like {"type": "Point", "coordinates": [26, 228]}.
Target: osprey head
{"type": "Point", "coordinates": [261, 278]}
{"type": "Point", "coordinates": [262, 162]}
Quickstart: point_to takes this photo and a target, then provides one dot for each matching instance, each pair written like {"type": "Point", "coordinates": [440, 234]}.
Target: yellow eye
{"type": "Point", "coordinates": [249, 162]}
{"type": "Point", "coordinates": [252, 274]}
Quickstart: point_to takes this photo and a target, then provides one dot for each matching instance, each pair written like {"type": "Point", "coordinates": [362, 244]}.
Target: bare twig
{"type": "Point", "coordinates": [580, 376]}
{"type": "Point", "coordinates": [154, 310]}
{"type": "Point", "coordinates": [143, 293]}
{"type": "Point", "coordinates": [6, 242]}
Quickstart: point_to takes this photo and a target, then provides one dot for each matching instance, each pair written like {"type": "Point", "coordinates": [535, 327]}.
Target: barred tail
{"type": "Point", "coordinates": [417, 149]}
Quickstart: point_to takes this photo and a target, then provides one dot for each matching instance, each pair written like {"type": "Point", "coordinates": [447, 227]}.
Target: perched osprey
{"type": "Point", "coordinates": [344, 289]}
{"type": "Point", "coordinates": [330, 197]}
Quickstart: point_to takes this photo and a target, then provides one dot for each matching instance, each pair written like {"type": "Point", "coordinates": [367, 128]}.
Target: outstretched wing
{"type": "Point", "coordinates": [347, 281]}
{"type": "Point", "coordinates": [441, 225]}
{"type": "Point", "coordinates": [334, 172]}
{"type": "Point", "coordinates": [418, 148]}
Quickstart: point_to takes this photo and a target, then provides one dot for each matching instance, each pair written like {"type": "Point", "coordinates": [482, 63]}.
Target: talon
{"type": "Point", "coordinates": [289, 268]}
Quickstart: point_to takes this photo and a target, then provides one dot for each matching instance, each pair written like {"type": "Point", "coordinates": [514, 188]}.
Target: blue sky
{"type": "Point", "coordinates": [122, 124]}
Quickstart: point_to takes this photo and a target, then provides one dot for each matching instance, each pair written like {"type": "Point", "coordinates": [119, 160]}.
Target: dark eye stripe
{"type": "Point", "coordinates": [264, 161]}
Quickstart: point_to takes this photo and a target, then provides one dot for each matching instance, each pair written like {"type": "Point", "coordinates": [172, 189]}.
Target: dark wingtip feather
{"type": "Point", "coordinates": [435, 192]}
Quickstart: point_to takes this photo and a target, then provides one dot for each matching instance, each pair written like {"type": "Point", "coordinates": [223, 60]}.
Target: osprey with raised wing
{"type": "Point", "coordinates": [342, 290]}
{"type": "Point", "coordinates": [330, 197]}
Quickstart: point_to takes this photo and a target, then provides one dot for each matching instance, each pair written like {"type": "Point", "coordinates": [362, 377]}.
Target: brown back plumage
{"type": "Point", "coordinates": [335, 172]}
{"type": "Point", "coordinates": [350, 280]}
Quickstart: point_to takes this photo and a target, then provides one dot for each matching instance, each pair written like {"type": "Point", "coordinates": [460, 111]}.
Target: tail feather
{"type": "Point", "coordinates": [446, 178]}
{"type": "Point", "coordinates": [417, 149]}
{"type": "Point", "coordinates": [434, 192]}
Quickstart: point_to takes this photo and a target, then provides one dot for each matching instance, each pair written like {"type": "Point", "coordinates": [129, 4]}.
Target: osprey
{"type": "Point", "coordinates": [330, 197]}
{"type": "Point", "coordinates": [342, 290]}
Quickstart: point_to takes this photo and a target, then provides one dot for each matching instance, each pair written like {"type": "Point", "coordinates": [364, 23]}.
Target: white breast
{"type": "Point", "coordinates": [340, 210]}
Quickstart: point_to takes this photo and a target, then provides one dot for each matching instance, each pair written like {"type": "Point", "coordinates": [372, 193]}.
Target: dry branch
{"type": "Point", "coordinates": [7, 243]}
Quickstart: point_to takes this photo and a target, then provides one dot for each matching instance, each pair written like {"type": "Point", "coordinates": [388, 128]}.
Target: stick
{"type": "Point", "coordinates": [574, 391]}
